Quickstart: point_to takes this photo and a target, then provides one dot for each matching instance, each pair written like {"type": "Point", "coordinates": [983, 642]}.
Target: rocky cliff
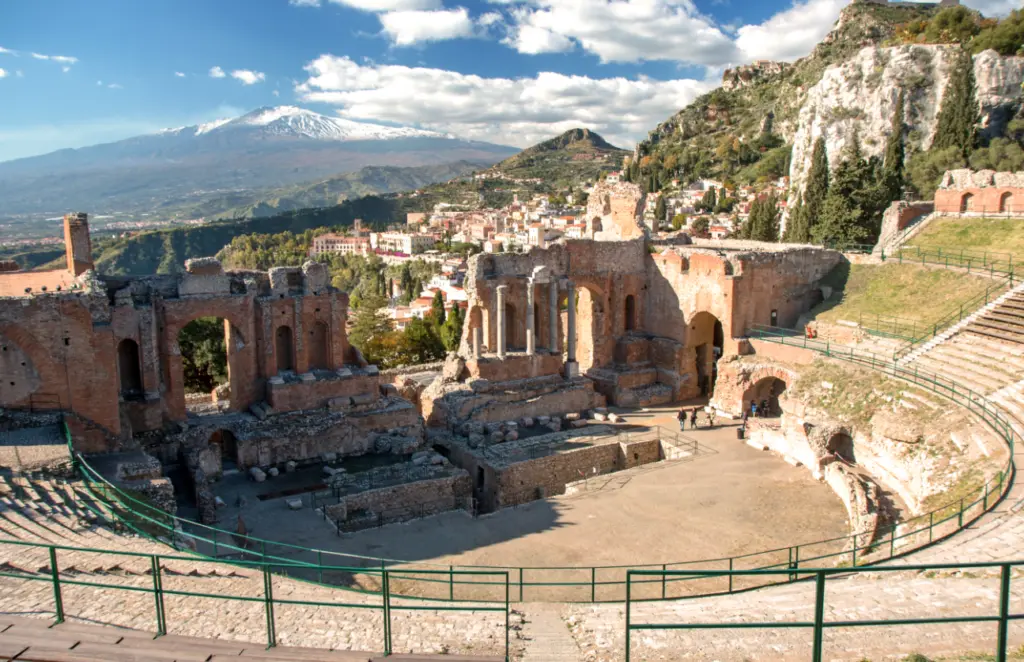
{"type": "Point", "coordinates": [860, 94]}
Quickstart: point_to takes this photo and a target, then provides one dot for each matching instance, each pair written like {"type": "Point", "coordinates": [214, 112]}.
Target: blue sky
{"type": "Point", "coordinates": [80, 72]}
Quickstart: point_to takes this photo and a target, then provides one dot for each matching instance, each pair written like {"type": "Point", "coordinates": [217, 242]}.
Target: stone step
{"type": "Point", "coordinates": [1003, 317]}
{"type": "Point", "coordinates": [966, 354]}
{"type": "Point", "coordinates": [999, 334]}
{"type": "Point", "coordinates": [645, 396]}
{"type": "Point", "coordinates": [968, 365]}
{"type": "Point", "coordinates": [960, 374]}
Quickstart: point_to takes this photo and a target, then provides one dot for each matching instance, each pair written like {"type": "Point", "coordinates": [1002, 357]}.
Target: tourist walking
{"type": "Point", "coordinates": [693, 418]}
{"type": "Point", "coordinates": [753, 409]}
{"type": "Point", "coordinates": [682, 419]}
{"type": "Point", "coordinates": [711, 417]}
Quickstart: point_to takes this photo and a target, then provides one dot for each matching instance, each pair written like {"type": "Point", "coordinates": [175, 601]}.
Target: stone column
{"type": "Point", "coordinates": [553, 329]}
{"type": "Point", "coordinates": [531, 322]}
{"type": "Point", "coordinates": [500, 317]}
{"type": "Point", "coordinates": [477, 333]}
{"type": "Point", "coordinates": [572, 369]}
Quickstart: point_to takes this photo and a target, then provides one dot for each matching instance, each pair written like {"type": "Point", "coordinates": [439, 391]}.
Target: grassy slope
{"type": "Point", "coordinates": [907, 291]}
{"type": "Point", "coordinates": [976, 235]}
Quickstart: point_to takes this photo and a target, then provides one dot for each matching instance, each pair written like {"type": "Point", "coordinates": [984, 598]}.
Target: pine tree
{"type": "Point", "coordinates": [895, 153]}
{"type": "Point", "coordinates": [763, 224]}
{"type": "Point", "coordinates": [437, 309]}
{"type": "Point", "coordinates": [958, 116]}
{"type": "Point", "coordinates": [817, 184]}
{"type": "Point", "coordinates": [451, 332]}
{"type": "Point", "coordinates": [797, 231]}
{"type": "Point", "coordinates": [839, 222]}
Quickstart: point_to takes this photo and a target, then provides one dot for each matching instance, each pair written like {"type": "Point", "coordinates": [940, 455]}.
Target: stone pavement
{"type": "Point", "coordinates": [547, 634]}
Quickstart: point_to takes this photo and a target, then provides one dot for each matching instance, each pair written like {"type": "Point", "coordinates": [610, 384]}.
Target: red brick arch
{"type": "Point", "coordinates": [40, 360]}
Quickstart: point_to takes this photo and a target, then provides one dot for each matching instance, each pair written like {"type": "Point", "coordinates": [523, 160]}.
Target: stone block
{"type": "Point", "coordinates": [475, 440]}
{"type": "Point", "coordinates": [615, 418]}
{"type": "Point", "coordinates": [372, 370]}
{"type": "Point", "coordinates": [289, 466]}
{"type": "Point", "coordinates": [388, 390]}
{"type": "Point", "coordinates": [598, 416]}
{"type": "Point", "coordinates": [496, 437]}
{"type": "Point", "coordinates": [329, 471]}
{"type": "Point", "coordinates": [437, 459]}
{"type": "Point", "coordinates": [511, 435]}
{"type": "Point", "coordinates": [217, 501]}
{"type": "Point", "coordinates": [344, 372]}
{"type": "Point", "coordinates": [511, 425]}
{"type": "Point", "coordinates": [257, 474]}
{"type": "Point", "coordinates": [578, 423]}
{"type": "Point", "coordinates": [363, 399]}
{"type": "Point", "coordinates": [420, 461]}
{"type": "Point", "coordinates": [573, 416]}
{"type": "Point", "coordinates": [543, 420]}
{"type": "Point", "coordinates": [526, 422]}
{"type": "Point", "coordinates": [339, 403]}
{"type": "Point", "coordinates": [555, 425]}
{"type": "Point", "coordinates": [273, 472]}
{"type": "Point", "coordinates": [329, 457]}
{"type": "Point", "coordinates": [294, 504]}
{"type": "Point", "coordinates": [307, 377]}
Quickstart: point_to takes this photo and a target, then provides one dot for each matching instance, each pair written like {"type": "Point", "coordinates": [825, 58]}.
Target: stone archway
{"type": "Point", "coordinates": [764, 394]}
{"type": "Point", "coordinates": [967, 202]}
{"type": "Point", "coordinates": [590, 325]}
{"type": "Point", "coordinates": [1006, 202]}
{"type": "Point", "coordinates": [840, 444]}
{"type": "Point", "coordinates": [513, 336]}
{"type": "Point", "coordinates": [706, 336]}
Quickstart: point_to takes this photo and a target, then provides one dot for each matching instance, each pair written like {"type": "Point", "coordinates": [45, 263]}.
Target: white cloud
{"type": "Point", "coordinates": [790, 34]}
{"type": "Point", "coordinates": [179, 74]}
{"type": "Point", "coordinates": [248, 77]}
{"type": "Point", "coordinates": [7, 51]}
{"type": "Point", "coordinates": [490, 18]}
{"type": "Point", "coordinates": [390, 5]}
{"type": "Point", "coordinates": [406, 28]}
{"type": "Point", "coordinates": [276, 93]}
{"type": "Point", "coordinates": [116, 86]}
{"type": "Point", "coordinates": [60, 59]}
{"type": "Point", "coordinates": [622, 30]}
{"type": "Point", "coordinates": [217, 72]}
{"type": "Point", "coordinates": [3, 73]}
{"type": "Point", "coordinates": [304, 3]}
{"type": "Point", "coordinates": [502, 110]}
{"type": "Point", "coordinates": [65, 69]}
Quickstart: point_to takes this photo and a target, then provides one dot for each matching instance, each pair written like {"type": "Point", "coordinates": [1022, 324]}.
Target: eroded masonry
{"type": "Point", "coordinates": [553, 337]}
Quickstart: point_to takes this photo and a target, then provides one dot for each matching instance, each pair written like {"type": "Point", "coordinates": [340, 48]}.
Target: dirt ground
{"type": "Point", "coordinates": [731, 500]}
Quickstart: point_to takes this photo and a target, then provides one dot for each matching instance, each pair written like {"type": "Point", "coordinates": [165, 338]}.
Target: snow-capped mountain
{"type": "Point", "coordinates": [268, 147]}
{"type": "Point", "coordinates": [295, 122]}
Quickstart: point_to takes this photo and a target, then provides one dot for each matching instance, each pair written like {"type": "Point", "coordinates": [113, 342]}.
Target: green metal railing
{"type": "Point", "coordinates": [819, 625]}
{"type": "Point", "coordinates": [983, 262]}
{"type": "Point", "coordinates": [575, 583]}
{"type": "Point", "coordinates": [269, 571]}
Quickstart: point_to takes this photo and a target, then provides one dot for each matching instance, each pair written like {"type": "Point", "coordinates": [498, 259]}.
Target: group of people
{"type": "Point", "coordinates": [692, 414]}
{"type": "Point", "coordinates": [759, 410]}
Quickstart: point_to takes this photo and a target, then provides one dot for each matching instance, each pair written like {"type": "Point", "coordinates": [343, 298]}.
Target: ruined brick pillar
{"type": "Point", "coordinates": [553, 328]}
{"type": "Point", "coordinates": [531, 323]}
{"type": "Point", "coordinates": [502, 338]}
{"type": "Point", "coordinates": [477, 335]}
{"type": "Point", "coordinates": [572, 369]}
{"type": "Point", "coordinates": [77, 245]}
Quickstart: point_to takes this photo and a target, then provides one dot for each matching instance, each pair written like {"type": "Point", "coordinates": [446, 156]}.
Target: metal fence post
{"type": "Point", "coordinates": [960, 517]}
{"type": "Point", "coordinates": [158, 595]}
{"type": "Point", "coordinates": [386, 583]}
{"type": "Point", "coordinates": [58, 600]}
{"type": "Point", "coordinates": [628, 576]}
{"type": "Point", "coordinates": [520, 584]}
{"type": "Point", "coordinates": [451, 582]}
{"type": "Point", "coordinates": [593, 584]}
{"type": "Point", "coordinates": [320, 566]}
{"type": "Point", "coordinates": [506, 616]}
{"type": "Point", "coordinates": [664, 567]}
{"type": "Point", "coordinates": [931, 524]}
{"type": "Point", "coordinates": [1004, 611]}
{"type": "Point", "coordinates": [268, 606]}
{"type": "Point", "coordinates": [730, 574]}
{"type": "Point", "coordinates": [819, 614]}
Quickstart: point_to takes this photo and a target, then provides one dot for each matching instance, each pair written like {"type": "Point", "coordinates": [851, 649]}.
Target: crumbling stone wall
{"type": "Point", "coordinates": [615, 212]}
{"type": "Point", "coordinates": [981, 192]}
{"type": "Point", "coordinates": [420, 497]}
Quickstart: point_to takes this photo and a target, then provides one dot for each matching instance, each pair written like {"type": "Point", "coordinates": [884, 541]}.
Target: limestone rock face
{"type": "Point", "coordinates": [859, 96]}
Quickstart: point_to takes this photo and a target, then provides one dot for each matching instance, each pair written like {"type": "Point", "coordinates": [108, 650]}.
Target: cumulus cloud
{"type": "Point", "coordinates": [179, 74]}
{"type": "Point", "coordinates": [490, 18]}
{"type": "Point", "coordinates": [7, 51]}
{"type": "Point", "coordinates": [406, 28]}
{"type": "Point", "coordinates": [389, 5]}
{"type": "Point", "coordinates": [248, 77]}
{"type": "Point", "coordinates": [790, 34]}
{"type": "Point", "coordinates": [217, 72]}
{"type": "Point", "coordinates": [116, 86]}
{"type": "Point", "coordinates": [304, 3]}
{"type": "Point", "coordinates": [65, 69]}
{"type": "Point", "coordinates": [512, 111]}
{"type": "Point", "coordinates": [3, 73]}
{"type": "Point", "coordinates": [622, 30]}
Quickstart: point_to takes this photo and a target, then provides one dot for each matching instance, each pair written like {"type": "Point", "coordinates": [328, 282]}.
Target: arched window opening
{"type": "Point", "coordinates": [319, 350]}
{"type": "Point", "coordinates": [967, 202]}
{"type": "Point", "coordinates": [283, 348]}
{"type": "Point", "coordinates": [129, 368]}
{"type": "Point", "coordinates": [1006, 202]}
{"type": "Point", "coordinates": [630, 313]}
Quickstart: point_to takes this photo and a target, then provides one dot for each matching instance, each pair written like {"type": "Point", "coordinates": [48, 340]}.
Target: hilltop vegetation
{"type": "Point", "coordinates": [576, 156]}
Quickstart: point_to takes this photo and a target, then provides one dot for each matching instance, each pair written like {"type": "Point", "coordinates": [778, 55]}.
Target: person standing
{"type": "Point", "coordinates": [693, 418]}
{"type": "Point", "coordinates": [682, 419]}
{"type": "Point", "coordinates": [753, 408]}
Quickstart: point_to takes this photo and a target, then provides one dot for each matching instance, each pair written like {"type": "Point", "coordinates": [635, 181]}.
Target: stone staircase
{"type": "Point", "coordinates": [1004, 322]}
{"type": "Point", "coordinates": [46, 510]}
{"type": "Point", "coordinates": [633, 380]}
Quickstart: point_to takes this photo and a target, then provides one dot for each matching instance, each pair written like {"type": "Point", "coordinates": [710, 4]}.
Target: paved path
{"type": "Point", "coordinates": [547, 635]}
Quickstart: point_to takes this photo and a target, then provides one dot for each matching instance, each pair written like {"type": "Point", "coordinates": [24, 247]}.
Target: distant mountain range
{"type": "Point", "coordinates": [181, 167]}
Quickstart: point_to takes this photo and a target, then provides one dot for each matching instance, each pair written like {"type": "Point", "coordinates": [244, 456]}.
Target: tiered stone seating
{"type": "Point", "coordinates": [1005, 322]}
{"type": "Point", "coordinates": [52, 511]}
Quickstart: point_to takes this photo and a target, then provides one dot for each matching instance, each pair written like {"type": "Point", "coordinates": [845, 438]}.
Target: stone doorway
{"type": "Point", "coordinates": [707, 337]}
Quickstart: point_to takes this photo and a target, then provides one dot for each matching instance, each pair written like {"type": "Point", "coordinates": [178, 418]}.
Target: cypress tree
{"type": "Point", "coordinates": [817, 183]}
{"type": "Point", "coordinates": [437, 308]}
{"type": "Point", "coordinates": [796, 227]}
{"type": "Point", "coordinates": [763, 224]}
{"type": "Point", "coordinates": [959, 113]}
{"type": "Point", "coordinates": [894, 153]}
{"type": "Point", "coordinates": [659, 209]}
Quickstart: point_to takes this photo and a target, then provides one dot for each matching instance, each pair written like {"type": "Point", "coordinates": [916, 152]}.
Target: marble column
{"type": "Point", "coordinates": [572, 368]}
{"type": "Point", "coordinates": [553, 325]}
{"type": "Point", "coordinates": [501, 290]}
{"type": "Point", "coordinates": [531, 322]}
{"type": "Point", "coordinates": [477, 334]}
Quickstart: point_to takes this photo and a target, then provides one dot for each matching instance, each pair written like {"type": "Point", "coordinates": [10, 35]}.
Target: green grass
{"type": "Point", "coordinates": [890, 290]}
{"type": "Point", "coordinates": [1001, 235]}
